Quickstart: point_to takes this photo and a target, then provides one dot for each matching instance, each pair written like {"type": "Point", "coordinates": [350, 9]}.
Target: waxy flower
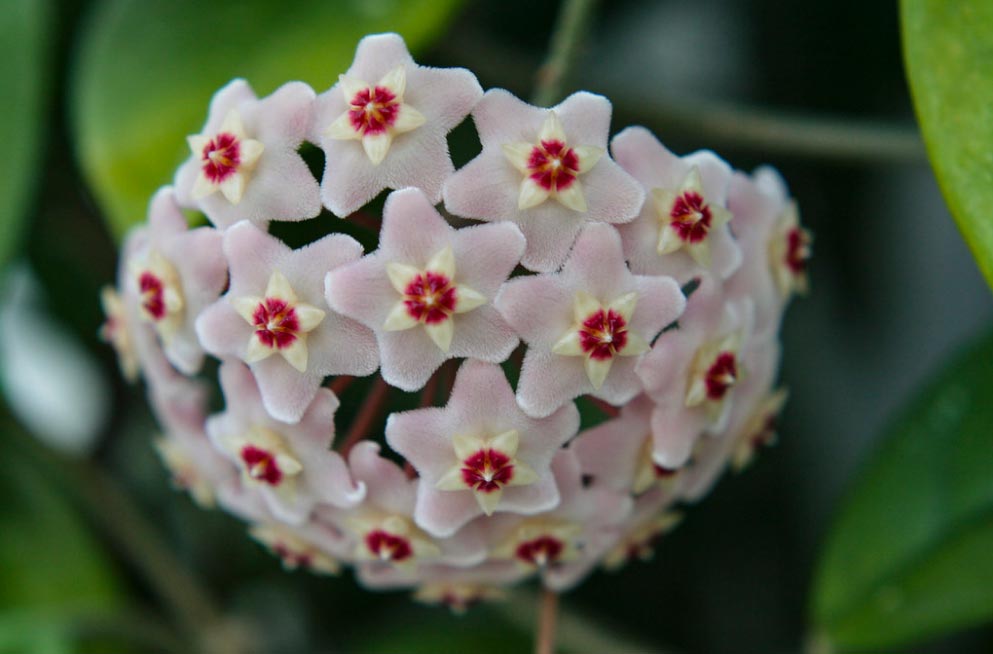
{"type": "Point", "coordinates": [271, 318]}
{"type": "Point", "coordinates": [480, 454]}
{"type": "Point", "coordinates": [427, 291]}
{"type": "Point", "coordinates": [586, 326]}
{"type": "Point", "coordinates": [116, 332]}
{"type": "Point", "coordinates": [175, 273]}
{"type": "Point", "coordinates": [289, 466]}
{"type": "Point", "coordinates": [546, 170]}
{"type": "Point", "coordinates": [640, 532]}
{"type": "Point", "coordinates": [692, 371]}
{"type": "Point", "coordinates": [296, 550]}
{"type": "Point", "coordinates": [683, 228]}
{"type": "Point", "coordinates": [383, 125]}
{"type": "Point", "coordinates": [244, 165]}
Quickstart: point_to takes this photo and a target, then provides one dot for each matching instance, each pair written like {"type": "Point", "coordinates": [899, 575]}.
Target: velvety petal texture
{"type": "Point", "coordinates": [614, 315]}
{"type": "Point", "coordinates": [551, 211]}
{"type": "Point", "coordinates": [427, 292]}
{"type": "Point", "coordinates": [280, 329]}
{"type": "Point", "coordinates": [370, 101]}
{"type": "Point", "coordinates": [244, 163]}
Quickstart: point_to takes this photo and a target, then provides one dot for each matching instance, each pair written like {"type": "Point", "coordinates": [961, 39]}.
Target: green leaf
{"type": "Point", "coordinates": [147, 71]}
{"type": "Point", "coordinates": [23, 51]}
{"type": "Point", "coordinates": [948, 48]}
{"type": "Point", "coordinates": [911, 553]}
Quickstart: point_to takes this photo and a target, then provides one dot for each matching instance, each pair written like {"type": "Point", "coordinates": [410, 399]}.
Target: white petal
{"type": "Point", "coordinates": [250, 151]}
{"type": "Point", "coordinates": [669, 240]}
{"type": "Point", "coordinates": [531, 194]}
{"type": "Point", "coordinates": [692, 181]}
{"type": "Point", "coordinates": [395, 80]}
{"type": "Point", "coordinates": [507, 442]}
{"type": "Point", "coordinates": [233, 187]}
{"type": "Point", "coordinates": [376, 146]}
{"type": "Point", "coordinates": [572, 197]}
{"type": "Point", "coordinates": [441, 333]}
{"type": "Point", "coordinates": [308, 316]}
{"type": "Point", "coordinates": [551, 129]}
{"type": "Point", "coordinates": [597, 370]}
{"type": "Point", "coordinates": [407, 119]}
{"type": "Point", "coordinates": [202, 187]}
{"type": "Point", "coordinates": [351, 87]}
{"type": "Point", "coordinates": [488, 501]}
{"type": "Point", "coordinates": [588, 156]}
{"type": "Point", "coordinates": [523, 475]}
{"type": "Point", "coordinates": [401, 275]}
{"type": "Point", "coordinates": [279, 287]}
{"type": "Point", "coordinates": [624, 305]}
{"type": "Point", "coordinates": [636, 345]}
{"type": "Point", "coordinates": [399, 318]}
{"type": "Point", "coordinates": [569, 345]}
{"type": "Point", "coordinates": [232, 124]}
{"type": "Point", "coordinates": [518, 154]}
{"type": "Point", "coordinates": [452, 480]}
{"type": "Point", "coordinates": [246, 306]}
{"type": "Point", "coordinates": [443, 262]}
{"type": "Point", "coordinates": [467, 299]}
{"type": "Point", "coordinates": [296, 354]}
{"type": "Point", "coordinates": [584, 306]}
{"type": "Point", "coordinates": [342, 129]}
{"type": "Point", "coordinates": [197, 144]}
{"type": "Point", "coordinates": [257, 350]}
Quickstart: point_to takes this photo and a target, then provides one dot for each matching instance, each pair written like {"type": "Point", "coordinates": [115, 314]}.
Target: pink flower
{"type": "Point", "coordinates": [638, 534]}
{"type": "Point", "coordinates": [270, 318]}
{"type": "Point", "coordinates": [546, 170]}
{"type": "Point", "coordinates": [244, 164]}
{"type": "Point", "coordinates": [691, 372]}
{"type": "Point", "coordinates": [480, 454]}
{"type": "Point", "coordinates": [682, 230]}
{"type": "Point", "coordinates": [383, 125]}
{"type": "Point", "coordinates": [427, 291]}
{"type": "Point", "coordinates": [175, 273]}
{"type": "Point", "coordinates": [290, 466]}
{"type": "Point", "coordinates": [587, 326]}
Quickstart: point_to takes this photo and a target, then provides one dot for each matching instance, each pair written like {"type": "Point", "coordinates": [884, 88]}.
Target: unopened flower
{"type": "Point", "coordinates": [244, 164]}
{"type": "Point", "coordinates": [383, 125]}
{"type": "Point", "coordinates": [546, 170]}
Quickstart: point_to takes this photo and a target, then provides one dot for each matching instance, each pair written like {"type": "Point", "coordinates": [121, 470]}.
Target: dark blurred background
{"type": "Point", "coordinates": [893, 291]}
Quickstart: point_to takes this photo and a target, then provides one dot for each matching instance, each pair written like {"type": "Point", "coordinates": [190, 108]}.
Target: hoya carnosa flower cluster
{"type": "Point", "coordinates": [643, 287]}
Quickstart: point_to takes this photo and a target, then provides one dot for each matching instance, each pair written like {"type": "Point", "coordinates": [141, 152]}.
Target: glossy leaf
{"type": "Point", "coordinates": [911, 554]}
{"type": "Point", "coordinates": [147, 71]}
{"type": "Point", "coordinates": [948, 47]}
{"type": "Point", "coordinates": [23, 51]}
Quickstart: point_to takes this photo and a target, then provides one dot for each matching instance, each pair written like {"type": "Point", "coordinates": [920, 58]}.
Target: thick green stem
{"type": "Point", "coordinates": [570, 30]}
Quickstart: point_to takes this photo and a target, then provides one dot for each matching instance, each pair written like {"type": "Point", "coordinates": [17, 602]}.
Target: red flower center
{"type": "Point", "coordinates": [221, 157]}
{"type": "Point", "coordinates": [387, 546]}
{"type": "Point", "coordinates": [276, 323]}
{"type": "Point", "coordinates": [603, 334]}
{"type": "Point", "coordinates": [487, 470]}
{"type": "Point", "coordinates": [430, 298]}
{"type": "Point", "coordinates": [721, 375]}
{"type": "Point", "coordinates": [261, 465]}
{"type": "Point", "coordinates": [797, 250]}
{"type": "Point", "coordinates": [690, 217]}
{"type": "Point", "coordinates": [373, 111]}
{"type": "Point", "coordinates": [553, 166]}
{"type": "Point", "coordinates": [540, 551]}
{"type": "Point", "coordinates": [152, 300]}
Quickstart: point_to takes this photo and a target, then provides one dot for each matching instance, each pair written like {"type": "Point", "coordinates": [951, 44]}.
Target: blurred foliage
{"type": "Point", "coordinates": [24, 47]}
{"type": "Point", "coordinates": [133, 112]}
{"type": "Point", "coordinates": [948, 48]}
{"type": "Point", "coordinates": [911, 554]}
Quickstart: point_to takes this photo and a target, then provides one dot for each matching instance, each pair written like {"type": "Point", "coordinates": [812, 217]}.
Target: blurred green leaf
{"type": "Point", "coordinates": [948, 48]}
{"type": "Point", "coordinates": [147, 71]}
{"type": "Point", "coordinates": [911, 553]}
{"type": "Point", "coordinates": [23, 51]}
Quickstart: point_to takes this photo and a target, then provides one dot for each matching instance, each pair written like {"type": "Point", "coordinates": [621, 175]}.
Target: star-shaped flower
{"type": "Point", "coordinates": [480, 454]}
{"type": "Point", "coordinates": [546, 170]}
{"type": "Point", "coordinates": [427, 291]}
{"type": "Point", "coordinates": [682, 230]}
{"type": "Point", "coordinates": [587, 326]}
{"type": "Point", "coordinates": [301, 547]}
{"type": "Point", "coordinates": [245, 165]}
{"type": "Point", "coordinates": [290, 466]}
{"type": "Point", "coordinates": [638, 535]}
{"type": "Point", "coordinates": [384, 124]}
{"type": "Point", "coordinates": [175, 273]}
{"type": "Point", "coordinates": [691, 372]}
{"type": "Point", "coordinates": [270, 318]}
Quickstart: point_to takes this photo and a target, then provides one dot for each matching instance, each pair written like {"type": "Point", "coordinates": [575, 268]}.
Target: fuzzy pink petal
{"type": "Point", "coordinates": [283, 117]}
{"type": "Point", "coordinates": [550, 230]}
{"type": "Point", "coordinates": [413, 230]}
{"type": "Point", "coordinates": [501, 117]}
{"type": "Point", "coordinates": [252, 255]}
{"type": "Point", "coordinates": [597, 265]}
{"type": "Point", "coordinates": [362, 290]}
{"type": "Point", "coordinates": [675, 431]}
{"type": "Point", "coordinates": [221, 331]}
{"type": "Point", "coordinates": [613, 196]}
{"type": "Point", "coordinates": [549, 380]}
{"type": "Point", "coordinates": [485, 188]}
{"type": "Point", "coordinates": [409, 357]}
{"type": "Point", "coordinates": [538, 307]}
{"type": "Point", "coordinates": [489, 253]}
{"type": "Point", "coordinates": [444, 95]}
{"type": "Point", "coordinates": [388, 486]}
{"type": "Point", "coordinates": [610, 451]}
